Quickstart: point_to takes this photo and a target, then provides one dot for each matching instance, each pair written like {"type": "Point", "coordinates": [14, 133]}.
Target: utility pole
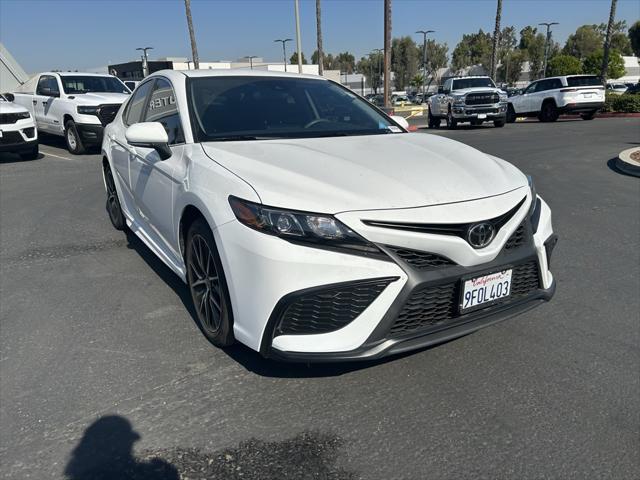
{"type": "Point", "coordinates": [424, 58]}
{"type": "Point", "coordinates": [298, 38]}
{"type": "Point", "coordinates": [284, 51]}
{"type": "Point", "coordinates": [607, 42]}
{"type": "Point", "coordinates": [145, 60]}
{"type": "Point", "coordinates": [192, 35]}
{"type": "Point", "coordinates": [496, 38]}
{"type": "Point", "coordinates": [319, 38]}
{"type": "Point", "coordinates": [378, 52]}
{"type": "Point", "coordinates": [546, 45]}
{"type": "Point", "coordinates": [387, 52]}
{"type": "Point", "coordinates": [251, 57]}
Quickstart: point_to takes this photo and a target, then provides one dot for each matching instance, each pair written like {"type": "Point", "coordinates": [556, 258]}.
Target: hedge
{"type": "Point", "coordinates": [625, 103]}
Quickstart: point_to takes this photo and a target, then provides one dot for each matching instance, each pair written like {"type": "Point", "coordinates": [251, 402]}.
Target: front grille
{"type": "Point", "coordinates": [9, 138]}
{"type": "Point", "coordinates": [517, 238]}
{"type": "Point", "coordinates": [7, 118]}
{"type": "Point", "coordinates": [106, 113]}
{"type": "Point", "coordinates": [481, 98]}
{"type": "Point", "coordinates": [482, 110]}
{"type": "Point", "coordinates": [421, 260]}
{"type": "Point", "coordinates": [329, 309]}
{"type": "Point", "coordinates": [431, 306]}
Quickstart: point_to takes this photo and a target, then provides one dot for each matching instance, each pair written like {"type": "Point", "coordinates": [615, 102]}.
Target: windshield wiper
{"type": "Point", "coordinates": [232, 138]}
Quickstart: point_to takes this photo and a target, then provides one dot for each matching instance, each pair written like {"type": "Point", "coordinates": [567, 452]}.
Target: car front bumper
{"type": "Point", "coordinates": [18, 137]}
{"type": "Point", "coordinates": [90, 133]}
{"type": "Point", "coordinates": [270, 277]}
{"type": "Point", "coordinates": [479, 112]}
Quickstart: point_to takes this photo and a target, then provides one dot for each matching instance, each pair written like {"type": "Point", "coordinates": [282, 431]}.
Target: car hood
{"type": "Point", "coordinates": [337, 174]}
{"type": "Point", "coordinates": [10, 107]}
{"type": "Point", "coordinates": [477, 89]}
{"type": "Point", "coordinates": [99, 98]}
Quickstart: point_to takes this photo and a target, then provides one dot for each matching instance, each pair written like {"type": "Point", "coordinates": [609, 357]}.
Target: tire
{"type": "Point", "coordinates": [113, 202]}
{"type": "Point", "coordinates": [511, 114]}
{"type": "Point", "coordinates": [208, 286]}
{"type": "Point", "coordinates": [71, 136]}
{"type": "Point", "coordinates": [499, 123]}
{"type": "Point", "coordinates": [434, 122]}
{"type": "Point", "coordinates": [31, 154]}
{"type": "Point", "coordinates": [589, 115]}
{"type": "Point", "coordinates": [549, 112]}
{"type": "Point", "coordinates": [452, 123]}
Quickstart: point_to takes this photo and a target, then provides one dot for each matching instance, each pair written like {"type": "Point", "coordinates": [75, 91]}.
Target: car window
{"type": "Point", "coordinates": [79, 84]}
{"type": "Point", "coordinates": [478, 82]}
{"type": "Point", "coordinates": [162, 107]}
{"type": "Point", "coordinates": [137, 104]}
{"type": "Point", "coordinates": [555, 83]}
{"type": "Point", "coordinates": [531, 88]}
{"type": "Point", "coordinates": [584, 81]}
{"type": "Point", "coordinates": [47, 81]}
{"type": "Point", "coordinates": [542, 85]}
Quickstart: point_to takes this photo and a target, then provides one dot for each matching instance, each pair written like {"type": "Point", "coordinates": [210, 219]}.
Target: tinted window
{"type": "Point", "coordinates": [77, 84]}
{"type": "Point", "coordinates": [531, 88]}
{"type": "Point", "coordinates": [137, 104]}
{"type": "Point", "coordinates": [47, 81]}
{"type": "Point", "coordinates": [555, 83]}
{"type": "Point", "coordinates": [461, 83]}
{"type": "Point", "coordinates": [542, 85]}
{"type": "Point", "coordinates": [162, 107]}
{"type": "Point", "coordinates": [253, 108]}
{"type": "Point", "coordinates": [584, 81]}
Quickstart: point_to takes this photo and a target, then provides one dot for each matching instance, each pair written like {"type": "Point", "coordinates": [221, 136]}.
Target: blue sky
{"type": "Point", "coordinates": [78, 34]}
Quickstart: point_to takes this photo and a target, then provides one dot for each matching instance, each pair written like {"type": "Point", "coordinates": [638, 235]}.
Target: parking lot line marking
{"type": "Point", "coordinates": [57, 156]}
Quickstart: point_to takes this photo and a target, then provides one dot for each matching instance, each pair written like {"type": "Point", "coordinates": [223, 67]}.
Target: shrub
{"type": "Point", "coordinates": [625, 103]}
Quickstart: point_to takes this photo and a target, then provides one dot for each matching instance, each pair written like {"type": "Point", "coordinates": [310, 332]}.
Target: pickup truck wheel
{"type": "Point", "coordinates": [511, 114]}
{"type": "Point", "coordinates": [74, 143]}
{"type": "Point", "coordinates": [31, 154]}
{"type": "Point", "coordinates": [498, 123]}
{"type": "Point", "coordinates": [452, 123]}
{"type": "Point", "coordinates": [589, 115]}
{"type": "Point", "coordinates": [549, 112]}
{"type": "Point", "coordinates": [434, 122]}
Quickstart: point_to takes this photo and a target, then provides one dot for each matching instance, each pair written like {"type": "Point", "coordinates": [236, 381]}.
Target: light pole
{"type": "Point", "coordinates": [284, 51]}
{"type": "Point", "coordinates": [546, 44]}
{"type": "Point", "coordinates": [298, 36]}
{"type": "Point", "coordinates": [424, 58]}
{"type": "Point", "coordinates": [251, 57]}
{"type": "Point", "coordinates": [188, 64]}
{"type": "Point", "coordinates": [145, 60]}
{"type": "Point", "coordinates": [378, 52]}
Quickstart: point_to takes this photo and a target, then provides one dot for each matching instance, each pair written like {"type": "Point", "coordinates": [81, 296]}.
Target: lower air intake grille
{"type": "Point", "coordinates": [517, 238]}
{"type": "Point", "coordinates": [331, 309]}
{"type": "Point", "coordinates": [421, 260]}
{"type": "Point", "coordinates": [436, 305]}
{"type": "Point", "coordinates": [11, 137]}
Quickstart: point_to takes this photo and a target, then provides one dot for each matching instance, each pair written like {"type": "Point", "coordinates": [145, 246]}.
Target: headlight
{"type": "Point", "coordinates": [23, 115]}
{"type": "Point", "coordinates": [459, 100]}
{"type": "Point", "coordinates": [503, 97]}
{"type": "Point", "coordinates": [535, 207]}
{"type": "Point", "coordinates": [87, 110]}
{"type": "Point", "coordinates": [313, 229]}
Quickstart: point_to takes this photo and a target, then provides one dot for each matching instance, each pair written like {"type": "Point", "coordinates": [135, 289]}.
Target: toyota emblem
{"type": "Point", "coordinates": [480, 235]}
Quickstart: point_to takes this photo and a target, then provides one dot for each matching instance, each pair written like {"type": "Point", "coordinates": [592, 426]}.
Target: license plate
{"type": "Point", "coordinates": [482, 115]}
{"type": "Point", "coordinates": [587, 95]}
{"type": "Point", "coordinates": [486, 289]}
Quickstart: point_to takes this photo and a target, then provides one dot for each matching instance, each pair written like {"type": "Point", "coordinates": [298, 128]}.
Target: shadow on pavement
{"type": "Point", "coordinates": [105, 452]}
{"type": "Point", "coordinates": [15, 158]}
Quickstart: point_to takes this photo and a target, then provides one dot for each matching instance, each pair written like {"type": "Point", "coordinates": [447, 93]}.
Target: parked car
{"type": "Point", "coordinates": [468, 99]}
{"type": "Point", "coordinates": [617, 88]}
{"type": "Point", "coordinates": [18, 133]}
{"type": "Point", "coordinates": [548, 98]}
{"type": "Point", "coordinates": [310, 226]}
{"type": "Point", "coordinates": [131, 84]}
{"type": "Point", "coordinates": [634, 89]}
{"type": "Point", "coordinates": [400, 100]}
{"type": "Point", "coordinates": [74, 105]}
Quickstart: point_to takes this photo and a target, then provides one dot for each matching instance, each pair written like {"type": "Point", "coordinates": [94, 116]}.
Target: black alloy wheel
{"type": "Point", "coordinates": [113, 203]}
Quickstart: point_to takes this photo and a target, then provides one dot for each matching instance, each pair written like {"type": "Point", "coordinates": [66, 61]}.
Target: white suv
{"type": "Point", "coordinates": [547, 98]}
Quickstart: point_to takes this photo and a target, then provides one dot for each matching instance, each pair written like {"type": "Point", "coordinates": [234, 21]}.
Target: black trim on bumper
{"type": "Point", "coordinates": [90, 133]}
{"type": "Point", "coordinates": [19, 147]}
{"type": "Point", "coordinates": [582, 107]}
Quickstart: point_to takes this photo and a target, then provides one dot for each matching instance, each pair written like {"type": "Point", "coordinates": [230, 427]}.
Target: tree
{"type": "Point", "coordinates": [619, 39]}
{"type": "Point", "coordinates": [320, 61]}
{"type": "Point", "coordinates": [564, 65]}
{"type": "Point", "coordinates": [593, 64]}
{"type": "Point", "coordinates": [634, 38]}
{"type": "Point", "coordinates": [371, 67]}
{"type": "Point", "coordinates": [192, 35]}
{"type": "Point", "coordinates": [405, 58]}
{"type": "Point", "coordinates": [417, 81]}
{"type": "Point", "coordinates": [607, 42]}
{"type": "Point", "coordinates": [345, 62]}
{"type": "Point", "coordinates": [496, 38]}
{"type": "Point", "coordinates": [437, 58]}
{"type": "Point", "coordinates": [586, 40]}
{"type": "Point", "coordinates": [294, 59]}
{"type": "Point", "coordinates": [533, 44]}
{"type": "Point", "coordinates": [511, 67]}
{"type": "Point", "coordinates": [473, 49]}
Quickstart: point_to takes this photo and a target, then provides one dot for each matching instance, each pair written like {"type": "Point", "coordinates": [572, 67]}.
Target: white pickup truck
{"type": "Point", "coordinates": [74, 105]}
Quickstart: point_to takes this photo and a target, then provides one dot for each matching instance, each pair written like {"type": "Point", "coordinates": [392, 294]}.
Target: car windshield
{"type": "Point", "coordinates": [89, 84]}
{"type": "Point", "coordinates": [462, 83]}
{"type": "Point", "coordinates": [585, 81]}
{"type": "Point", "coordinates": [258, 108]}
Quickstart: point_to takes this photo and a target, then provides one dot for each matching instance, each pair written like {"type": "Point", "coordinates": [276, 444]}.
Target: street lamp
{"type": "Point", "coordinates": [145, 60]}
{"type": "Point", "coordinates": [251, 57]}
{"type": "Point", "coordinates": [546, 44]}
{"type": "Point", "coordinates": [377, 51]}
{"type": "Point", "coordinates": [189, 64]}
{"type": "Point", "coordinates": [284, 51]}
{"type": "Point", "coordinates": [424, 58]}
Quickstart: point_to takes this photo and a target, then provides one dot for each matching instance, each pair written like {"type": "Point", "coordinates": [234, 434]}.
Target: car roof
{"type": "Point", "coordinates": [245, 72]}
{"type": "Point", "coordinates": [84, 74]}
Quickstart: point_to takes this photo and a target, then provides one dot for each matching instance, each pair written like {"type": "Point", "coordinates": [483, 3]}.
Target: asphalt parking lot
{"type": "Point", "coordinates": [99, 348]}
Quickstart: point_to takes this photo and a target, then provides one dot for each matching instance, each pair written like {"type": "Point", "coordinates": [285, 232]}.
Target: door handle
{"type": "Point", "coordinates": [34, 102]}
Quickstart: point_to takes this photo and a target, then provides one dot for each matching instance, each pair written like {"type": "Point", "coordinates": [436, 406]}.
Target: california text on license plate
{"type": "Point", "coordinates": [485, 289]}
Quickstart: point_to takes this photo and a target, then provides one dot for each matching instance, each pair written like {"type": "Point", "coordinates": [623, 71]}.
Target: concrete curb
{"type": "Point", "coordinates": [626, 164]}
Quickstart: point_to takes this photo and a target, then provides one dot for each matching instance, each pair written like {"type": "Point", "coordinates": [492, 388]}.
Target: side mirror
{"type": "Point", "coordinates": [47, 92]}
{"type": "Point", "coordinates": [440, 89]}
{"type": "Point", "coordinates": [149, 135]}
{"type": "Point", "coordinates": [400, 121]}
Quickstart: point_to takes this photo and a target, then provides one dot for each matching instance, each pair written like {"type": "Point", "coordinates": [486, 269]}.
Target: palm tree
{"type": "Point", "coordinates": [192, 35]}
{"type": "Point", "coordinates": [496, 38]}
{"type": "Point", "coordinates": [319, 38]}
{"type": "Point", "coordinates": [607, 42]}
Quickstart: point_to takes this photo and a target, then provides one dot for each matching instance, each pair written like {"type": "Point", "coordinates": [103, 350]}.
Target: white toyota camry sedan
{"type": "Point", "coordinates": [310, 226]}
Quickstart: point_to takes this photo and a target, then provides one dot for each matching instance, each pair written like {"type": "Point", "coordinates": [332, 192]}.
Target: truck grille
{"type": "Point", "coordinates": [481, 98]}
{"type": "Point", "coordinates": [329, 309]}
{"type": "Point", "coordinates": [431, 306]}
{"type": "Point", "coordinates": [106, 113]}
